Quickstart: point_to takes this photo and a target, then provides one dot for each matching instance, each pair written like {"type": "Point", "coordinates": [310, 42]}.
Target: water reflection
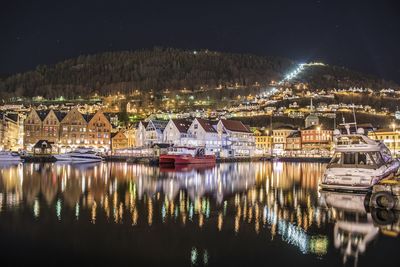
{"type": "Point", "coordinates": [279, 201]}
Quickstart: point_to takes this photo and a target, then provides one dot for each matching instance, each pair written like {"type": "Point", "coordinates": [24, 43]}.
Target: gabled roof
{"type": "Point", "coordinates": [235, 126]}
{"type": "Point", "coordinates": [43, 143]}
{"type": "Point", "coordinates": [10, 116]}
{"type": "Point", "coordinates": [182, 125]}
{"type": "Point", "coordinates": [207, 125]}
{"type": "Point", "coordinates": [159, 125]}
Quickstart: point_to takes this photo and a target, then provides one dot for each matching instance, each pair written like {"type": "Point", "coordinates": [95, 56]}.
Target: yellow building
{"type": "Point", "coordinates": [9, 131]}
{"type": "Point", "coordinates": [390, 137]}
{"type": "Point", "coordinates": [279, 136]}
{"type": "Point", "coordinates": [263, 141]}
{"type": "Point", "coordinates": [119, 141]}
{"type": "Point", "coordinates": [131, 135]}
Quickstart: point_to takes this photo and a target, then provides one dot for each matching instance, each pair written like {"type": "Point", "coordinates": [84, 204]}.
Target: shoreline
{"type": "Point", "coordinates": [154, 160]}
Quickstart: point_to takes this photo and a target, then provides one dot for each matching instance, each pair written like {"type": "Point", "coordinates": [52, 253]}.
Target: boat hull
{"type": "Point", "coordinates": [352, 181]}
{"type": "Point", "coordinates": [77, 159]}
{"type": "Point", "coordinates": [186, 159]}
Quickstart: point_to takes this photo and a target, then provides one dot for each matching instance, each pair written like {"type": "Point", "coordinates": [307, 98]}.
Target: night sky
{"type": "Point", "coordinates": [363, 35]}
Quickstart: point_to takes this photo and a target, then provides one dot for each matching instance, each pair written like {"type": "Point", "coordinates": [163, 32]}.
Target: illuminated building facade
{"type": "Point", "coordinates": [9, 131]}
{"type": "Point", "coordinates": [391, 138]}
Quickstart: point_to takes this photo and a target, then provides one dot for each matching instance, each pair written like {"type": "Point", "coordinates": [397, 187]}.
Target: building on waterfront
{"type": "Point", "coordinates": [9, 131]}
{"type": "Point", "coordinates": [99, 131]}
{"type": "Point", "coordinates": [154, 132]}
{"type": "Point", "coordinates": [33, 128]}
{"type": "Point", "coordinates": [67, 130]}
{"type": "Point", "coordinates": [279, 136]}
{"type": "Point", "coordinates": [391, 138]}
{"type": "Point", "coordinates": [119, 140]}
{"type": "Point", "coordinates": [238, 138]}
{"type": "Point", "coordinates": [141, 133]}
{"type": "Point", "coordinates": [263, 141]}
{"type": "Point", "coordinates": [202, 133]}
{"type": "Point", "coordinates": [316, 138]}
{"type": "Point", "coordinates": [176, 131]}
{"type": "Point", "coordinates": [293, 143]}
{"type": "Point", "coordinates": [130, 133]}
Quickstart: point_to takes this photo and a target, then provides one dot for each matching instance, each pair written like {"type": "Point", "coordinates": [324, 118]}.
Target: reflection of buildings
{"type": "Point", "coordinates": [273, 199]}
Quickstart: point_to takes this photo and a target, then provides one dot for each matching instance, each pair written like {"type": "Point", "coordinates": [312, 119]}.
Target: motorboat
{"type": "Point", "coordinates": [8, 156]}
{"type": "Point", "coordinates": [186, 155]}
{"type": "Point", "coordinates": [80, 155]}
{"type": "Point", "coordinates": [358, 162]}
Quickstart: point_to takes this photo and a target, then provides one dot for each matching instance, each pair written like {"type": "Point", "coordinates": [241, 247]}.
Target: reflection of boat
{"type": "Point", "coordinates": [186, 167]}
{"type": "Point", "coordinates": [186, 155]}
{"type": "Point", "coordinates": [80, 155]}
{"type": "Point", "coordinates": [358, 163]}
{"type": "Point", "coordinates": [8, 156]}
{"type": "Point", "coordinates": [354, 227]}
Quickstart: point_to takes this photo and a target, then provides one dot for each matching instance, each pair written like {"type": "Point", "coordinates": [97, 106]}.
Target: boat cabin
{"type": "Point", "coordinates": [358, 151]}
{"type": "Point", "coordinates": [183, 150]}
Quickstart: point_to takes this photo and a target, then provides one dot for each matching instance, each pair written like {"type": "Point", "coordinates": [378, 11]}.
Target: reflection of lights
{"type": "Point", "coordinates": [36, 208]}
{"type": "Point", "coordinates": [205, 257]}
{"type": "Point", "coordinates": [319, 245]}
{"type": "Point", "coordinates": [193, 256]}
{"type": "Point", "coordinates": [77, 211]}
{"type": "Point", "coordinates": [58, 209]}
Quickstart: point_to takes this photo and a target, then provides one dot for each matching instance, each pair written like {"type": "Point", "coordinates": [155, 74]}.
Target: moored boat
{"type": "Point", "coordinates": [7, 156]}
{"type": "Point", "coordinates": [186, 155]}
{"type": "Point", "coordinates": [358, 163]}
{"type": "Point", "coordinates": [80, 155]}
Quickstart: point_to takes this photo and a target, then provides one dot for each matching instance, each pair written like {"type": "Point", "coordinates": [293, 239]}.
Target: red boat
{"type": "Point", "coordinates": [186, 155]}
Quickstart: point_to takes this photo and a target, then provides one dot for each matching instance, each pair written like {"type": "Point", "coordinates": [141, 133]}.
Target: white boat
{"type": "Point", "coordinates": [80, 155]}
{"type": "Point", "coordinates": [8, 156]}
{"type": "Point", "coordinates": [358, 163]}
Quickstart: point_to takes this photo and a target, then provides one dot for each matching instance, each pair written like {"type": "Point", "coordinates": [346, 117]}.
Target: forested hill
{"type": "Point", "coordinates": [156, 69]}
{"type": "Point", "coordinates": [160, 69]}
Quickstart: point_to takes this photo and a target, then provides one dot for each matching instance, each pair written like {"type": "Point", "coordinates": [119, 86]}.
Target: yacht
{"type": "Point", "coordinates": [7, 156]}
{"type": "Point", "coordinates": [80, 155]}
{"type": "Point", "coordinates": [358, 162]}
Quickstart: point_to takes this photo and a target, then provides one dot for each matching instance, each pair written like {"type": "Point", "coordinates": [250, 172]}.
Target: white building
{"type": "Point", "coordinates": [203, 133]}
{"type": "Point", "coordinates": [238, 139]}
{"type": "Point", "coordinates": [176, 131]}
{"type": "Point", "coordinates": [141, 134]}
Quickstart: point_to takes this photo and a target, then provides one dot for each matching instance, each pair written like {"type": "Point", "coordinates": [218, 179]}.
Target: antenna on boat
{"type": "Point", "coordinates": [354, 115]}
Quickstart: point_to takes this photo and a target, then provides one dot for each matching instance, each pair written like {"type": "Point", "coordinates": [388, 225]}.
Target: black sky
{"type": "Point", "coordinates": [363, 35]}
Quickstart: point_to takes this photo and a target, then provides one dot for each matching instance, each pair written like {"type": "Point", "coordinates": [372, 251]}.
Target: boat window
{"type": "Point", "coordinates": [349, 158]}
{"type": "Point", "coordinates": [336, 158]}
{"type": "Point", "coordinates": [377, 158]}
{"type": "Point", "coordinates": [350, 140]}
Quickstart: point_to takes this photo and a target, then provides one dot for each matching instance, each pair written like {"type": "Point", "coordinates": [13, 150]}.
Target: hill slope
{"type": "Point", "coordinates": [160, 68]}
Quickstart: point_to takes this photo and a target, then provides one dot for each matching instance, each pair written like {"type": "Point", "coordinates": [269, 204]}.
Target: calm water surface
{"type": "Point", "coordinates": [239, 214]}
